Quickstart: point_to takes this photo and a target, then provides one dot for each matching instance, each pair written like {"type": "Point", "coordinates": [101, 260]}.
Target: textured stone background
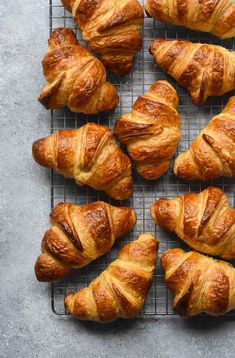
{"type": "Point", "coordinates": [28, 328]}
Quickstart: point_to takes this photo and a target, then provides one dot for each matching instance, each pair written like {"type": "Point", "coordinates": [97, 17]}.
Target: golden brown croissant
{"type": "Point", "coordinates": [121, 289]}
{"type": "Point", "coordinates": [212, 153]}
{"type": "Point", "coordinates": [80, 234]}
{"type": "Point", "coordinates": [205, 70]}
{"type": "Point", "coordinates": [152, 130]}
{"type": "Point", "coordinates": [199, 283]}
{"type": "Point", "coordinates": [112, 28]}
{"type": "Point", "coordinates": [91, 156]}
{"type": "Point", "coordinates": [76, 78]}
{"type": "Point", "coordinates": [216, 17]}
{"type": "Point", "coordinates": [204, 221]}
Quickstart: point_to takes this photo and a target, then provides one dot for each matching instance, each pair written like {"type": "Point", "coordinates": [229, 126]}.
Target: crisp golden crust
{"type": "Point", "coordinates": [79, 235]}
{"type": "Point", "coordinates": [112, 28]}
{"type": "Point", "coordinates": [214, 16]}
{"type": "Point", "coordinates": [199, 283]}
{"type": "Point", "coordinates": [152, 130]}
{"type": "Point", "coordinates": [204, 221]}
{"type": "Point", "coordinates": [76, 78]}
{"type": "Point", "coordinates": [205, 70]}
{"type": "Point", "coordinates": [121, 289]}
{"type": "Point", "coordinates": [91, 156]}
{"type": "Point", "coordinates": [212, 153]}
{"type": "Point", "coordinates": [48, 268]}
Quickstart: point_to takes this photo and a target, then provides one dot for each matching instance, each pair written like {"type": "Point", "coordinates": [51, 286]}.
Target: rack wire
{"type": "Point", "coordinates": [144, 73]}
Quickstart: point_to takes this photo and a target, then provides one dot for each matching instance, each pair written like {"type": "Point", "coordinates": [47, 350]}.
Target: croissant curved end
{"type": "Point", "coordinates": [164, 89]}
{"type": "Point", "coordinates": [124, 220]}
{"type": "Point", "coordinates": [152, 212]}
{"type": "Point", "coordinates": [163, 213]}
{"type": "Point", "coordinates": [153, 171]}
{"type": "Point", "coordinates": [123, 188]}
{"type": "Point", "coordinates": [169, 257]}
{"type": "Point", "coordinates": [62, 36]}
{"type": "Point", "coordinates": [68, 301]}
{"type": "Point", "coordinates": [48, 269]}
{"type": "Point", "coordinates": [155, 44]}
{"type": "Point", "coordinates": [185, 167]}
{"type": "Point", "coordinates": [109, 98]}
{"type": "Point", "coordinates": [43, 153]}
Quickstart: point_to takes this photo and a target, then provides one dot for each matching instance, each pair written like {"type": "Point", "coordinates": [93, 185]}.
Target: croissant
{"type": "Point", "coordinates": [112, 28]}
{"type": "Point", "coordinates": [76, 78]}
{"type": "Point", "coordinates": [121, 289]}
{"type": "Point", "coordinates": [216, 17]}
{"type": "Point", "coordinates": [205, 70]}
{"type": "Point", "coordinates": [91, 156]}
{"type": "Point", "coordinates": [79, 235]}
{"type": "Point", "coordinates": [200, 284]}
{"type": "Point", "coordinates": [152, 130]}
{"type": "Point", "coordinates": [212, 153]}
{"type": "Point", "coordinates": [204, 221]}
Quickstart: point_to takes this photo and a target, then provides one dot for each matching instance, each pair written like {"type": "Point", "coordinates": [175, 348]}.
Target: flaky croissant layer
{"type": "Point", "coordinates": [216, 17]}
{"type": "Point", "coordinates": [205, 70]}
{"type": "Point", "coordinates": [121, 289]}
{"type": "Point", "coordinates": [152, 130]}
{"type": "Point", "coordinates": [204, 221]}
{"type": "Point", "coordinates": [112, 28]}
{"type": "Point", "coordinates": [91, 156]}
{"type": "Point", "coordinates": [80, 234]}
{"type": "Point", "coordinates": [76, 78]}
{"type": "Point", "coordinates": [200, 284]}
{"type": "Point", "coordinates": [212, 153]}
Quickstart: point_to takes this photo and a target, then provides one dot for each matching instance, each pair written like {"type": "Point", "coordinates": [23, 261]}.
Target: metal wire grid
{"type": "Point", "coordinates": [144, 73]}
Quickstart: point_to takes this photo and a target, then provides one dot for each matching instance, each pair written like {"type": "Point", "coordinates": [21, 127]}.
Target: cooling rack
{"type": "Point", "coordinates": [144, 73]}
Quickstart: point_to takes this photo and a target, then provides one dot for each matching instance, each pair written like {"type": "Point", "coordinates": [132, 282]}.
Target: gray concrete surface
{"type": "Point", "coordinates": [28, 328]}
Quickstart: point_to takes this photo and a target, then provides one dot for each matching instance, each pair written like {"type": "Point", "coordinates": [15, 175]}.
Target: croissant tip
{"type": "Point", "coordinates": [44, 100]}
{"type": "Point", "coordinates": [152, 212]}
{"type": "Point", "coordinates": [185, 168]}
{"type": "Point", "coordinates": [42, 152]}
{"type": "Point", "coordinates": [36, 150]}
{"type": "Point", "coordinates": [131, 215]}
{"type": "Point", "coordinates": [67, 301]}
{"type": "Point", "coordinates": [39, 271]}
{"type": "Point", "coordinates": [154, 44]}
{"type": "Point", "coordinates": [170, 256]}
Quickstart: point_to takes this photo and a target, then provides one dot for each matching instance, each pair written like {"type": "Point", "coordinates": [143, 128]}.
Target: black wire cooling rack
{"type": "Point", "coordinates": [144, 73]}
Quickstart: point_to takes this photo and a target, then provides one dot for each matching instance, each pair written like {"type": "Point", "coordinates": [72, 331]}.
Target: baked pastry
{"type": "Point", "coordinates": [152, 130]}
{"type": "Point", "coordinates": [204, 221]}
{"type": "Point", "coordinates": [216, 17]}
{"type": "Point", "coordinates": [80, 234]}
{"type": "Point", "coordinates": [205, 70]}
{"type": "Point", "coordinates": [112, 28]}
{"type": "Point", "coordinates": [121, 289]}
{"type": "Point", "coordinates": [199, 283]}
{"type": "Point", "coordinates": [91, 156]}
{"type": "Point", "coordinates": [212, 153]}
{"type": "Point", "coordinates": [76, 78]}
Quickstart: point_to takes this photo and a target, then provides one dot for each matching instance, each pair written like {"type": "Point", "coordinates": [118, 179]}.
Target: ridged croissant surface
{"type": "Point", "coordinates": [76, 78]}
{"type": "Point", "coordinates": [204, 221]}
{"type": "Point", "coordinates": [121, 289]}
{"type": "Point", "coordinates": [216, 17]}
{"type": "Point", "coordinates": [205, 70]}
{"type": "Point", "coordinates": [80, 234]}
{"type": "Point", "coordinates": [212, 153]}
{"type": "Point", "coordinates": [152, 130]}
{"type": "Point", "coordinates": [112, 28]}
{"type": "Point", "coordinates": [91, 156]}
{"type": "Point", "coordinates": [200, 284]}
